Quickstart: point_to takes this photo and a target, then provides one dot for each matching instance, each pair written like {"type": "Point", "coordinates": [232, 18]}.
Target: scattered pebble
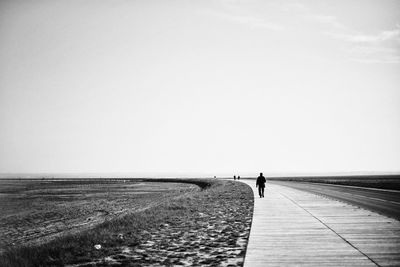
{"type": "Point", "coordinates": [215, 232]}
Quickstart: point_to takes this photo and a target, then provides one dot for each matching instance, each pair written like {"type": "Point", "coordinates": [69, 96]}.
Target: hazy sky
{"type": "Point", "coordinates": [199, 86]}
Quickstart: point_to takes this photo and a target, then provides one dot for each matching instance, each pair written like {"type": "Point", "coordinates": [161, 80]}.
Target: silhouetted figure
{"type": "Point", "coordinates": [261, 184]}
{"type": "Point", "coordinates": [234, 177]}
{"type": "Point", "coordinates": [238, 177]}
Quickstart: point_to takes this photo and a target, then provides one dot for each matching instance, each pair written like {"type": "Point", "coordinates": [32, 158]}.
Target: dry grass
{"type": "Point", "coordinates": [38, 211]}
{"type": "Point", "coordinates": [208, 227]}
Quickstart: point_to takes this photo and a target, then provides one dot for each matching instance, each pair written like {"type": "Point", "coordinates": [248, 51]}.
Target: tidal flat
{"type": "Point", "coordinates": [37, 211]}
{"type": "Point", "coordinates": [130, 222]}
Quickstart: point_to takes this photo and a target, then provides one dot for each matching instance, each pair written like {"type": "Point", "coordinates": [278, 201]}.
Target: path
{"type": "Point", "coordinates": [295, 228]}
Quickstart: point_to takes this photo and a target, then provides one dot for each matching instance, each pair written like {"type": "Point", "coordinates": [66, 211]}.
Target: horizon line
{"type": "Point", "coordinates": [185, 174]}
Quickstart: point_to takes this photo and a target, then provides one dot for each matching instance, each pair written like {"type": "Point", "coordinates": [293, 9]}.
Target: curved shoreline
{"type": "Point", "coordinates": [206, 227]}
{"type": "Point", "coordinates": [37, 212]}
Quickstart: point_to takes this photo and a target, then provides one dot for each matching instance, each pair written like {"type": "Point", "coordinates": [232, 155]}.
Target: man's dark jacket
{"type": "Point", "coordinates": [261, 181]}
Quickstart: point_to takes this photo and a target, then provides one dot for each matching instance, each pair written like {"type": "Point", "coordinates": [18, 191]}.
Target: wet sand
{"type": "Point", "coordinates": [38, 211]}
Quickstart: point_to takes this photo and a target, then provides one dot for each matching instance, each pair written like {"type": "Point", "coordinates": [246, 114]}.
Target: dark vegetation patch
{"type": "Point", "coordinates": [371, 181]}
{"type": "Point", "coordinates": [38, 211]}
{"type": "Point", "coordinates": [203, 228]}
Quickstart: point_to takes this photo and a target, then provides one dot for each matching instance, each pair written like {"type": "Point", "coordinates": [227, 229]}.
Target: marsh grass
{"type": "Point", "coordinates": [223, 204]}
{"type": "Point", "coordinates": [38, 211]}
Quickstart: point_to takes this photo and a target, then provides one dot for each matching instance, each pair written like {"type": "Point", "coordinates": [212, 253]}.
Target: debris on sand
{"type": "Point", "coordinates": [210, 233]}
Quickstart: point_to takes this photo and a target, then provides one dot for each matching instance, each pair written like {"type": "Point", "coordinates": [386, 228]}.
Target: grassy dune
{"type": "Point", "coordinates": [205, 227]}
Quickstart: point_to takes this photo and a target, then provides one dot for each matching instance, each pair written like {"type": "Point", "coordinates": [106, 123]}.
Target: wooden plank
{"type": "Point", "coordinates": [296, 228]}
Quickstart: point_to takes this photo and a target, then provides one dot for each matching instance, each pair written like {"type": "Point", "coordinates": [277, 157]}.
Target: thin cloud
{"type": "Point", "coordinates": [294, 6]}
{"type": "Point", "coordinates": [251, 21]}
{"type": "Point", "coordinates": [381, 37]}
{"type": "Point", "coordinates": [389, 60]}
{"type": "Point", "coordinates": [374, 54]}
{"type": "Point", "coordinates": [329, 20]}
{"type": "Point", "coordinates": [382, 47]}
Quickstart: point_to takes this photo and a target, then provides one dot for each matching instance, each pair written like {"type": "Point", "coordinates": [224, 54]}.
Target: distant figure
{"type": "Point", "coordinates": [261, 184]}
{"type": "Point", "coordinates": [234, 177]}
{"type": "Point", "coordinates": [238, 177]}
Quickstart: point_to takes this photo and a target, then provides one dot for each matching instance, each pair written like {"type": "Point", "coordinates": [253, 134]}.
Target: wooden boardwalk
{"type": "Point", "coordinates": [295, 228]}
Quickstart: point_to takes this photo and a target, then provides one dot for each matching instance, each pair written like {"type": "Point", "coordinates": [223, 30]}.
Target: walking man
{"type": "Point", "coordinates": [261, 184]}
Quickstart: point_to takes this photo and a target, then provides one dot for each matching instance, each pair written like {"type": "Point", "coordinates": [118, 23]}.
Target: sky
{"type": "Point", "coordinates": [180, 86]}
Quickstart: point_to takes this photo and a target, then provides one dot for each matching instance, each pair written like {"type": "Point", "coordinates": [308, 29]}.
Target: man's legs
{"type": "Point", "coordinates": [260, 191]}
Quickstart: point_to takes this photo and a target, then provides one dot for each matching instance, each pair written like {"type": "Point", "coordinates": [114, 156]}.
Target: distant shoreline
{"type": "Point", "coordinates": [186, 175]}
{"type": "Point", "coordinates": [391, 182]}
{"type": "Point", "coordinates": [386, 181]}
